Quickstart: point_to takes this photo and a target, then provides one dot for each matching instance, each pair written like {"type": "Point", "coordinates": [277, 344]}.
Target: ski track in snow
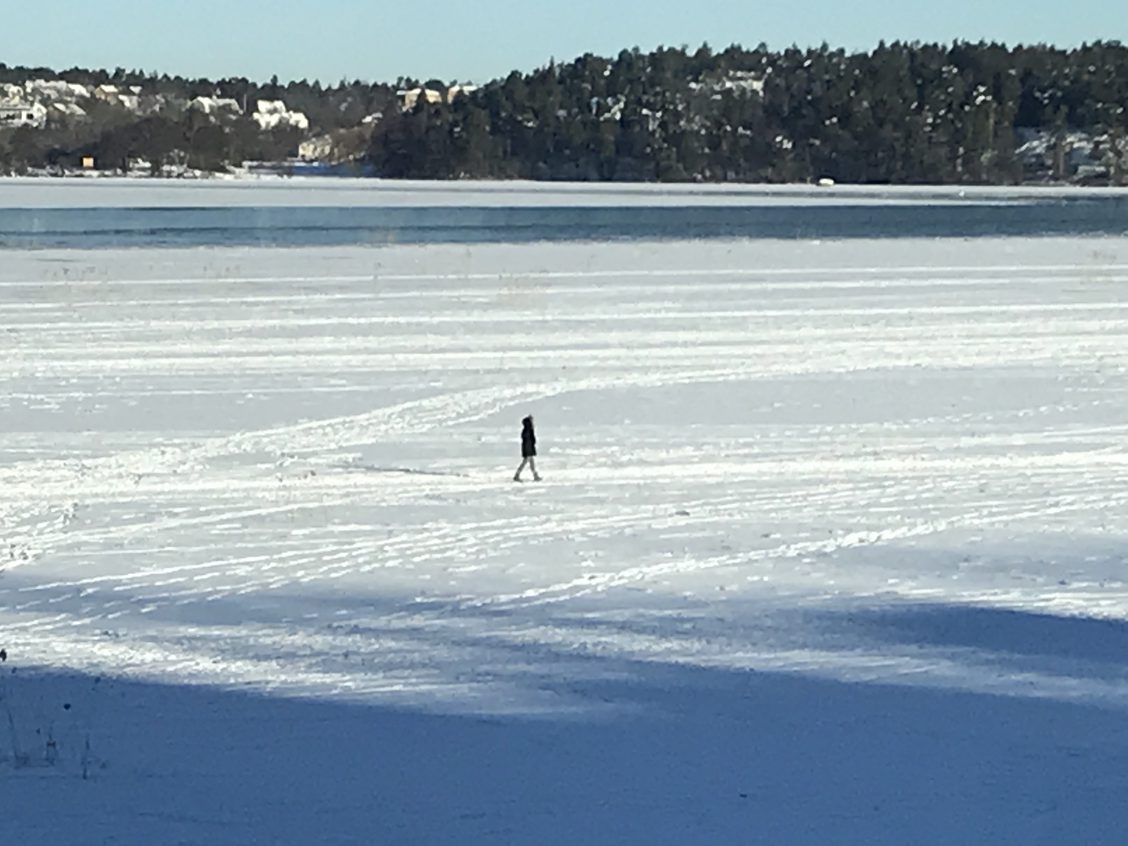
{"type": "Point", "coordinates": [234, 467]}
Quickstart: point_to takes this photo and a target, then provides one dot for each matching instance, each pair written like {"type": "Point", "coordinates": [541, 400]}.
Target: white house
{"type": "Point", "coordinates": [15, 113]}
{"type": "Point", "coordinates": [459, 91]}
{"type": "Point", "coordinates": [126, 96]}
{"type": "Point", "coordinates": [69, 109]}
{"type": "Point", "coordinates": [216, 106]}
{"type": "Point", "coordinates": [410, 96]}
{"type": "Point", "coordinates": [55, 90]}
{"type": "Point", "coordinates": [106, 92]}
{"type": "Point", "coordinates": [316, 149]}
{"type": "Point", "coordinates": [272, 114]}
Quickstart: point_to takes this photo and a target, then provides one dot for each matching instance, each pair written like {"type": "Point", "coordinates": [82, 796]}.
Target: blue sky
{"type": "Point", "coordinates": [476, 40]}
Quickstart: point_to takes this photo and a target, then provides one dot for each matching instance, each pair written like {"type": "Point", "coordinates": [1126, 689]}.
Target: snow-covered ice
{"type": "Point", "coordinates": [831, 544]}
{"type": "Point", "coordinates": [332, 192]}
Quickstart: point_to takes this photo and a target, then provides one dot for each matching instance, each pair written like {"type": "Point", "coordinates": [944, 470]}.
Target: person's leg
{"type": "Point", "coordinates": [533, 467]}
{"type": "Point", "coordinates": [517, 475]}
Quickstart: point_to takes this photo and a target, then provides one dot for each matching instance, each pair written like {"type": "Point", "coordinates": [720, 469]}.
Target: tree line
{"type": "Point", "coordinates": [901, 113]}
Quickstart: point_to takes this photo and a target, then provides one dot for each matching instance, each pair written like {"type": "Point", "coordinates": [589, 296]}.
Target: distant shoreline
{"type": "Point", "coordinates": [40, 191]}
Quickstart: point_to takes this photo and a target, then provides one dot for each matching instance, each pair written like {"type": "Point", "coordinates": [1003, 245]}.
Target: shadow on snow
{"type": "Point", "coordinates": [689, 755]}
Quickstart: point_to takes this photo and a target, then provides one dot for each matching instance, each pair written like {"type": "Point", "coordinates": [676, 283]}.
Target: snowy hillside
{"type": "Point", "coordinates": [830, 546]}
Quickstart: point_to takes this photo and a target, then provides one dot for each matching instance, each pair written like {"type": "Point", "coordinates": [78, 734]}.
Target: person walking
{"type": "Point", "coordinates": [528, 449]}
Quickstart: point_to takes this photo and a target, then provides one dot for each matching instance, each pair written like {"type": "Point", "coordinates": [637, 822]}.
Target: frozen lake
{"type": "Point", "coordinates": [830, 545]}
{"type": "Point", "coordinates": [108, 213]}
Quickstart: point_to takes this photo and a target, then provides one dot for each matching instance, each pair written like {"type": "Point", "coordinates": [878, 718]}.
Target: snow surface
{"type": "Point", "coordinates": [118, 192]}
{"type": "Point", "coordinates": [830, 547]}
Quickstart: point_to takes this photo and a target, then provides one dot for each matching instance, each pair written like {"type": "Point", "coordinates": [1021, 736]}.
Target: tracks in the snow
{"type": "Point", "coordinates": [373, 500]}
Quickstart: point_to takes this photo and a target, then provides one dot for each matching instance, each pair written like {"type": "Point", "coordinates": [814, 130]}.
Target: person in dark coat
{"type": "Point", "coordinates": [528, 449]}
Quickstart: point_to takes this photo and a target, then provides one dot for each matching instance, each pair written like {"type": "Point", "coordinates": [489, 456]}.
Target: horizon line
{"type": "Point", "coordinates": [552, 60]}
